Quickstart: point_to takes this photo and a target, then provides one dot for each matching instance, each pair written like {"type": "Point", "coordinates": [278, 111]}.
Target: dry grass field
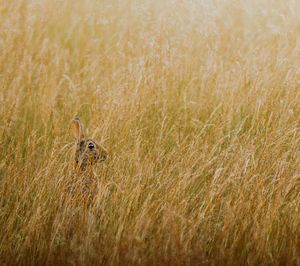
{"type": "Point", "coordinates": [198, 105]}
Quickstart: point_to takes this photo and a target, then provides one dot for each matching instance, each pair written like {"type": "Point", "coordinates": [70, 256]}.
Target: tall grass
{"type": "Point", "coordinates": [198, 104]}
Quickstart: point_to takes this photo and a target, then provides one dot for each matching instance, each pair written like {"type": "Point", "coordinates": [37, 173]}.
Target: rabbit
{"type": "Point", "coordinates": [87, 151]}
{"type": "Point", "coordinates": [82, 186]}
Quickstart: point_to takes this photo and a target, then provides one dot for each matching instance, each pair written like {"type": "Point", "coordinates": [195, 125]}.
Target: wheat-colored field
{"type": "Point", "coordinates": [198, 105]}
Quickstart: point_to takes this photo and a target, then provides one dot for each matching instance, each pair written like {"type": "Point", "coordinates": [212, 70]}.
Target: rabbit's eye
{"type": "Point", "coordinates": [91, 146]}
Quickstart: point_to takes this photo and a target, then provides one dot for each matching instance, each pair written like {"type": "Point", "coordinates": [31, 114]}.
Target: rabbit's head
{"type": "Point", "coordinates": [87, 151]}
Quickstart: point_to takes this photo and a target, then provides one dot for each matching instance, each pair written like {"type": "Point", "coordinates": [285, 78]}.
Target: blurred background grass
{"type": "Point", "coordinates": [197, 103]}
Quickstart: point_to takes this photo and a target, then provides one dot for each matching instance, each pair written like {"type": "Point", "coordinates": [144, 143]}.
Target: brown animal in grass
{"type": "Point", "coordinates": [87, 153]}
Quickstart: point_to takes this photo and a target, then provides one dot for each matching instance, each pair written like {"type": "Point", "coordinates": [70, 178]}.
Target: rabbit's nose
{"type": "Point", "coordinates": [103, 156]}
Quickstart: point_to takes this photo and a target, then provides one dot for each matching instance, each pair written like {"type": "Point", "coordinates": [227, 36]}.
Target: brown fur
{"type": "Point", "coordinates": [87, 151]}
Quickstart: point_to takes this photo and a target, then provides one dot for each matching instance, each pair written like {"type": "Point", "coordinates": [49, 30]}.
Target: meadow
{"type": "Point", "coordinates": [198, 105]}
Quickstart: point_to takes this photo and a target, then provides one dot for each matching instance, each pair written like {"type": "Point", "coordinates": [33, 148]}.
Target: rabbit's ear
{"type": "Point", "coordinates": [76, 128]}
